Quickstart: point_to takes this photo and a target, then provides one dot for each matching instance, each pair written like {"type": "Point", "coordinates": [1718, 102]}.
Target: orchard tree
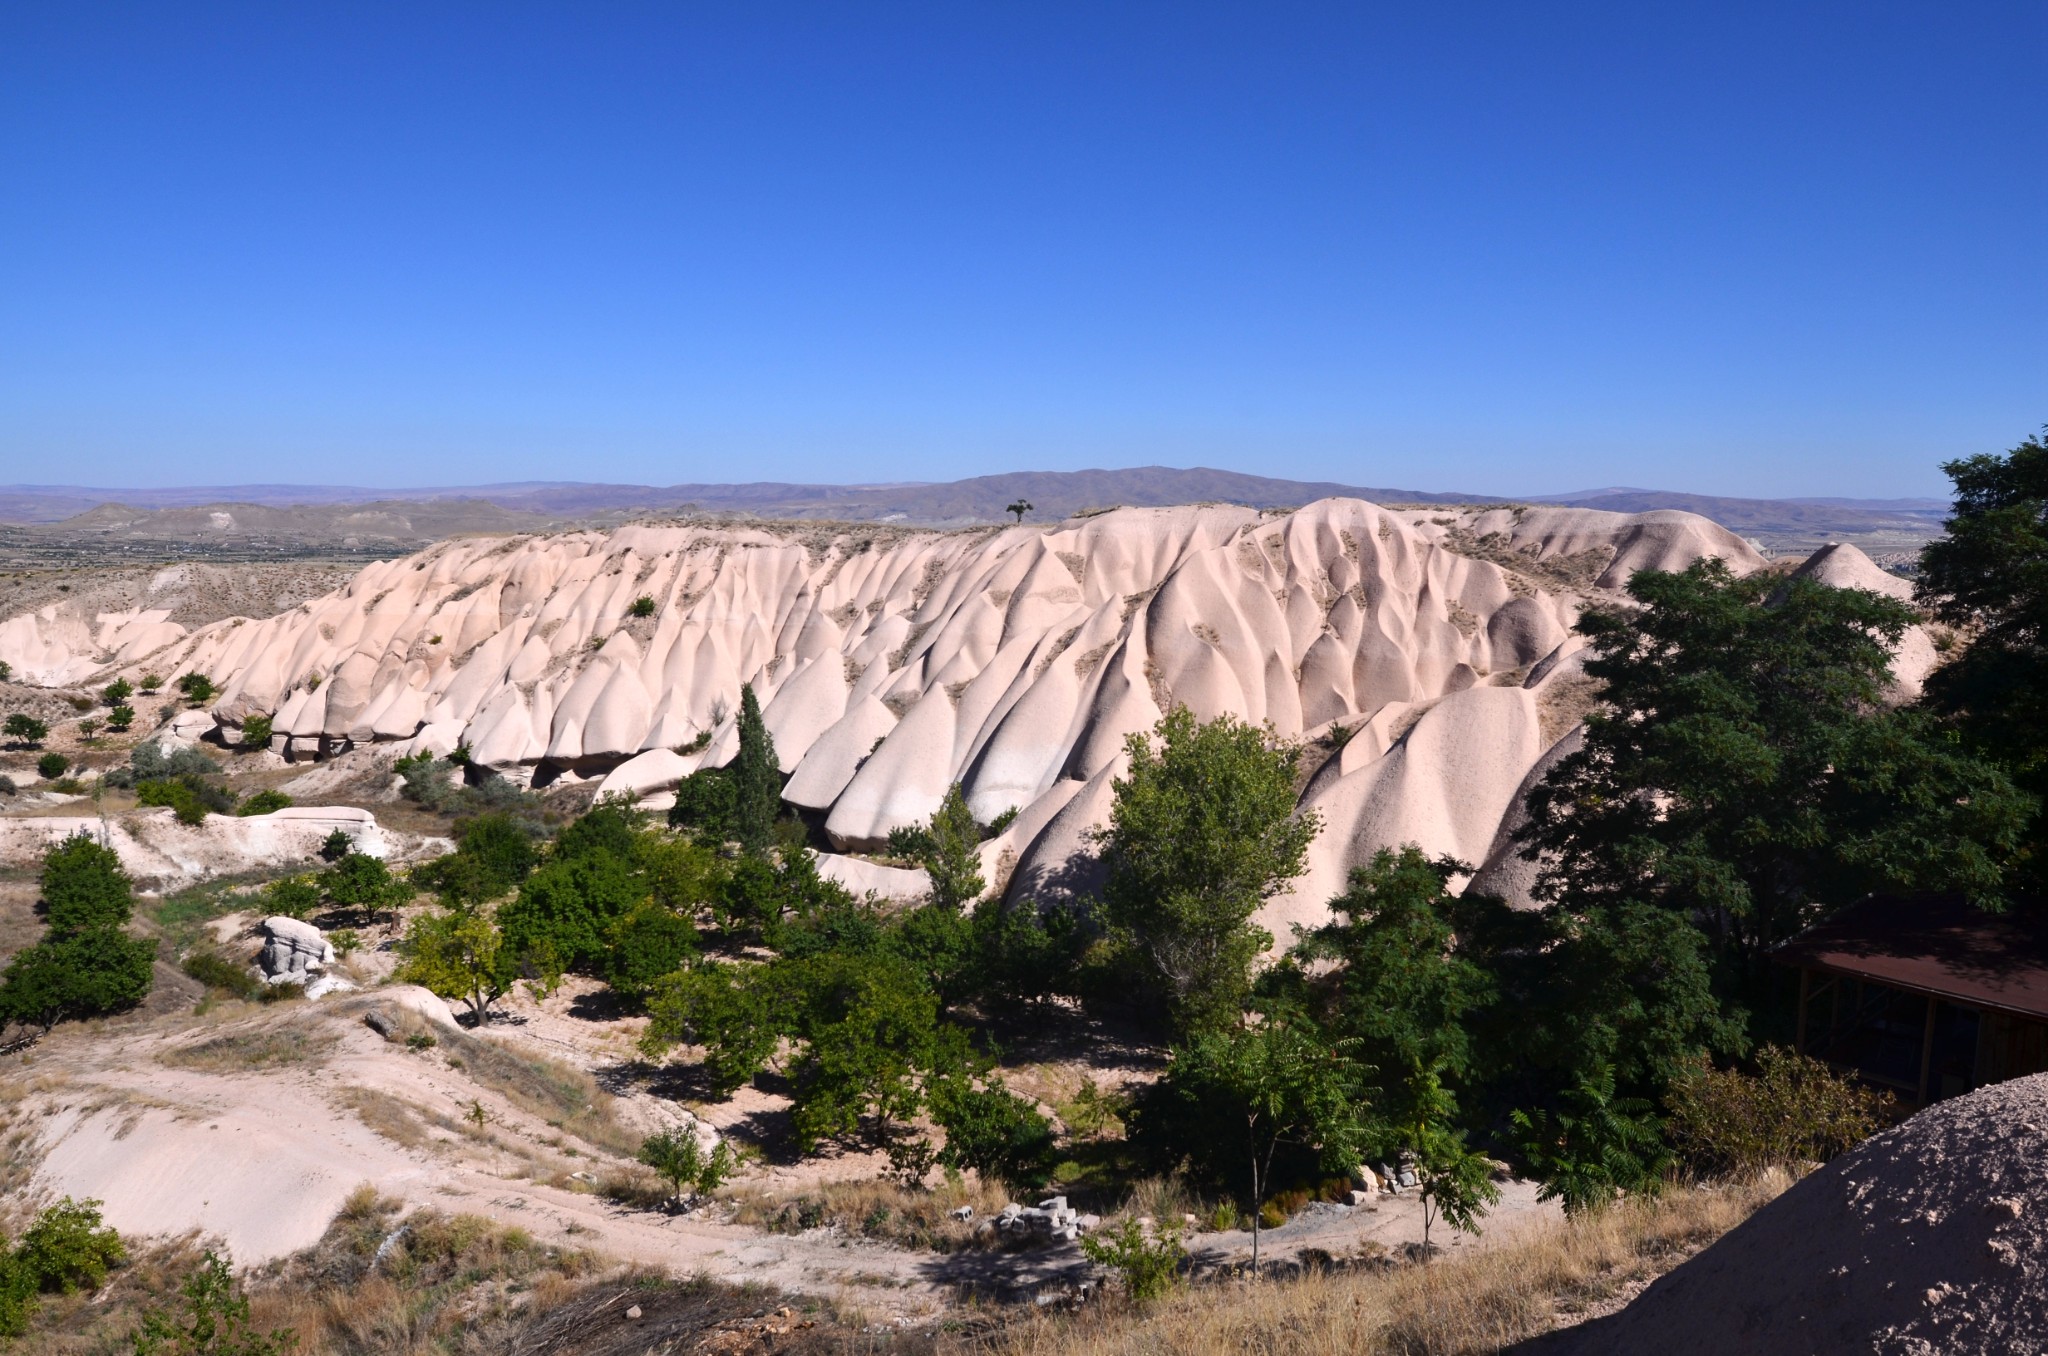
{"type": "Point", "coordinates": [947, 848]}
{"type": "Point", "coordinates": [1202, 831]}
{"type": "Point", "coordinates": [459, 955]}
{"type": "Point", "coordinates": [84, 965]}
{"type": "Point", "coordinates": [26, 729]}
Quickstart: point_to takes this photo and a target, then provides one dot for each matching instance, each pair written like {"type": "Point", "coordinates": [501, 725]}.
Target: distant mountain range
{"type": "Point", "coordinates": [311, 514]}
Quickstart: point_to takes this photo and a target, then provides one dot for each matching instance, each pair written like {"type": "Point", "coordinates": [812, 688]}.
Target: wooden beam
{"type": "Point", "coordinates": [1927, 1049]}
{"type": "Point", "coordinates": [1799, 1031]}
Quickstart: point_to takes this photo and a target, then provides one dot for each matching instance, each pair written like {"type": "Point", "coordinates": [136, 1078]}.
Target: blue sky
{"type": "Point", "coordinates": [1746, 249]}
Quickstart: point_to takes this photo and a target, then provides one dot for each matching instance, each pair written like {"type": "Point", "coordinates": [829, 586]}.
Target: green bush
{"type": "Point", "coordinates": [117, 692]}
{"type": "Point", "coordinates": [197, 687]}
{"type": "Point", "coordinates": [1147, 1264]}
{"type": "Point", "coordinates": [85, 974]}
{"type": "Point", "coordinates": [360, 881]}
{"type": "Point", "coordinates": [151, 682]}
{"type": "Point", "coordinates": [1792, 1110]}
{"type": "Point", "coordinates": [64, 1250]}
{"type": "Point", "coordinates": [643, 606]}
{"type": "Point", "coordinates": [256, 732]}
{"type": "Point", "coordinates": [217, 971]}
{"type": "Point", "coordinates": [263, 803]}
{"type": "Point", "coordinates": [569, 906]}
{"type": "Point", "coordinates": [493, 854]}
{"type": "Point", "coordinates": [682, 1162]}
{"type": "Point", "coordinates": [336, 845]}
{"type": "Point", "coordinates": [292, 896]}
{"type": "Point", "coordinates": [120, 718]}
{"type": "Point", "coordinates": [182, 798]}
{"type": "Point", "coordinates": [215, 1321]}
{"type": "Point", "coordinates": [51, 766]}
{"type": "Point", "coordinates": [995, 1132]}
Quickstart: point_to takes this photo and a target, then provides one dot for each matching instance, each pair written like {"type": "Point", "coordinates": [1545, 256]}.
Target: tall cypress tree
{"type": "Point", "coordinates": [757, 778]}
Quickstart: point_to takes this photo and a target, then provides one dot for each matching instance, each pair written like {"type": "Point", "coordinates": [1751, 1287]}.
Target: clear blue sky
{"type": "Point", "coordinates": [1776, 248]}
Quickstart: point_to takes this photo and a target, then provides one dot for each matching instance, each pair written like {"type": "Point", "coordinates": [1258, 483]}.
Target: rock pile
{"type": "Point", "coordinates": [1050, 1220]}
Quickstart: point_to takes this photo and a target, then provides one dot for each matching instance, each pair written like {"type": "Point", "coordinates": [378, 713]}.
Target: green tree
{"type": "Point", "coordinates": [360, 882]}
{"type": "Point", "coordinates": [995, 1132]}
{"type": "Point", "coordinates": [707, 801]}
{"type": "Point", "coordinates": [647, 943]}
{"type": "Point", "coordinates": [292, 896]}
{"type": "Point", "coordinates": [69, 978]}
{"type": "Point", "coordinates": [680, 1159]}
{"type": "Point", "coordinates": [1231, 1100]}
{"type": "Point", "coordinates": [197, 687]}
{"type": "Point", "coordinates": [256, 731]}
{"type": "Point", "coordinates": [871, 1046]}
{"type": "Point", "coordinates": [263, 803]}
{"type": "Point", "coordinates": [568, 906]}
{"type": "Point", "coordinates": [1020, 507]}
{"type": "Point", "coordinates": [26, 729]}
{"type": "Point", "coordinates": [459, 955]}
{"type": "Point", "coordinates": [756, 778]}
{"type": "Point", "coordinates": [1594, 1147]}
{"type": "Point", "coordinates": [120, 718]}
{"type": "Point", "coordinates": [1455, 1180]}
{"type": "Point", "coordinates": [88, 727]}
{"type": "Point", "coordinates": [1201, 833]}
{"type": "Point", "coordinates": [1742, 779]}
{"type": "Point", "coordinates": [1988, 575]}
{"type": "Point", "coordinates": [118, 692]}
{"type": "Point", "coordinates": [51, 766]}
{"type": "Point", "coordinates": [336, 845]}
{"type": "Point", "coordinates": [214, 1321]}
{"type": "Point", "coordinates": [84, 964]}
{"type": "Point", "coordinates": [948, 847]}
{"type": "Point", "coordinates": [730, 1010]}
{"type": "Point", "coordinates": [1399, 984]}
{"type": "Point", "coordinates": [83, 886]}
{"type": "Point", "coordinates": [65, 1249]}
{"type": "Point", "coordinates": [493, 854]}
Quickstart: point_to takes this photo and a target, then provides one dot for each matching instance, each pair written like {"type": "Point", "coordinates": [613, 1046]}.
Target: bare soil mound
{"type": "Point", "coordinates": [1931, 1237]}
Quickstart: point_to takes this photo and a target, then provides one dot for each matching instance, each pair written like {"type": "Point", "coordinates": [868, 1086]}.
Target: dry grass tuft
{"type": "Point", "coordinates": [258, 1047]}
{"type": "Point", "coordinates": [877, 1209]}
{"type": "Point", "coordinates": [561, 1094]}
{"type": "Point", "coordinates": [1484, 1301]}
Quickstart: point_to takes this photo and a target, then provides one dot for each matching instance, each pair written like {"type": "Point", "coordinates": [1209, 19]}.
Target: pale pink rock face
{"type": "Point", "coordinates": [1016, 661]}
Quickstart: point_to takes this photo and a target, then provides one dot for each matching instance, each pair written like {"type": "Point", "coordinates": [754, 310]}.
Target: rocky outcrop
{"type": "Point", "coordinates": [293, 951]}
{"type": "Point", "coordinates": [1015, 661]}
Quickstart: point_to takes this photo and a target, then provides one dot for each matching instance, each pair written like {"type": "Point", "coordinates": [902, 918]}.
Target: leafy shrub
{"type": "Point", "coordinates": [345, 942]}
{"type": "Point", "coordinates": [7, 786]}
{"type": "Point", "coordinates": [263, 803]}
{"type": "Point", "coordinates": [1793, 1109]}
{"type": "Point", "coordinates": [120, 718]}
{"type": "Point", "coordinates": [84, 887]}
{"type": "Point", "coordinates": [336, 845]}
{"type": "Point", "coordinates": [291, 896]}
{"type": "Point", "coordinates": [643, 606]}
{"type": "Point", "coordinates": [117, 692]}
{"type": "Point", "coordinates": [81, 975]}
{"type": "Point", "coordinates": [568, 906]}
{"type": "Point", "coordinates": [215, 1321]}
{"type": "Point", "coordinates": [360, 881]}
{"type": "Point", "coordinates": [152, 681]}
{"type": "Point", "coordinates": [996, 1133]}
{"type": "Point", "coordinates": [677, 1155]}
{"type": "Point", "coordinates": [6, 672]}
{"type": "Point", "coordinates": [217, 971]}
{"type": "Point", "coordinates": [179, 794]}
{"type": "Point", "coordinates": [88, 727]}
{"type": "Point", "coordinates": [151, 762]}
{"type": "Point", "coordinates": [493, 854]}
{"type": "Point", "coordinates": [1147, 1264]}
{"type": "Point", "coordinates": [427, 780]}
{"type": "Point", "coordinates": [697, 743]}
{"type": "Point", "coordinates": [256, 732]}
{"type": "Point", "coordinates": [51, 766]}
{"type": "Point", "coordinates": [197, 687]}
{"type": "Point", "coordinates": [65, 1249]}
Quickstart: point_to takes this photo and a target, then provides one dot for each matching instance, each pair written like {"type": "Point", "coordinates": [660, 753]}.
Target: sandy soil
{"type": "Point", "coordinates": [177, 1122]}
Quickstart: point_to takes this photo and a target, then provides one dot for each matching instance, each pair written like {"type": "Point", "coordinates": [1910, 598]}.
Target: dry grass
{"type": "Point", "coordinates": [1484, 1301]}
{"type": "Point", "coordinates": [875, 1208]}
{"type": "Point", "coordinates": [561, 1094]}
{"type": "Point", "coordinates": [259, 1047]}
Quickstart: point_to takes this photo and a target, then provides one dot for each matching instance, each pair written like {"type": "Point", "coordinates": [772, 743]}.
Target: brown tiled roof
{"type": "Point", "coordinates": [1935, 944]}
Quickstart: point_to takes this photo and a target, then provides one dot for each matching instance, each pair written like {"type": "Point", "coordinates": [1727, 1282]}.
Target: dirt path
{"type": "Point", "coordinates": [255, 1125]}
